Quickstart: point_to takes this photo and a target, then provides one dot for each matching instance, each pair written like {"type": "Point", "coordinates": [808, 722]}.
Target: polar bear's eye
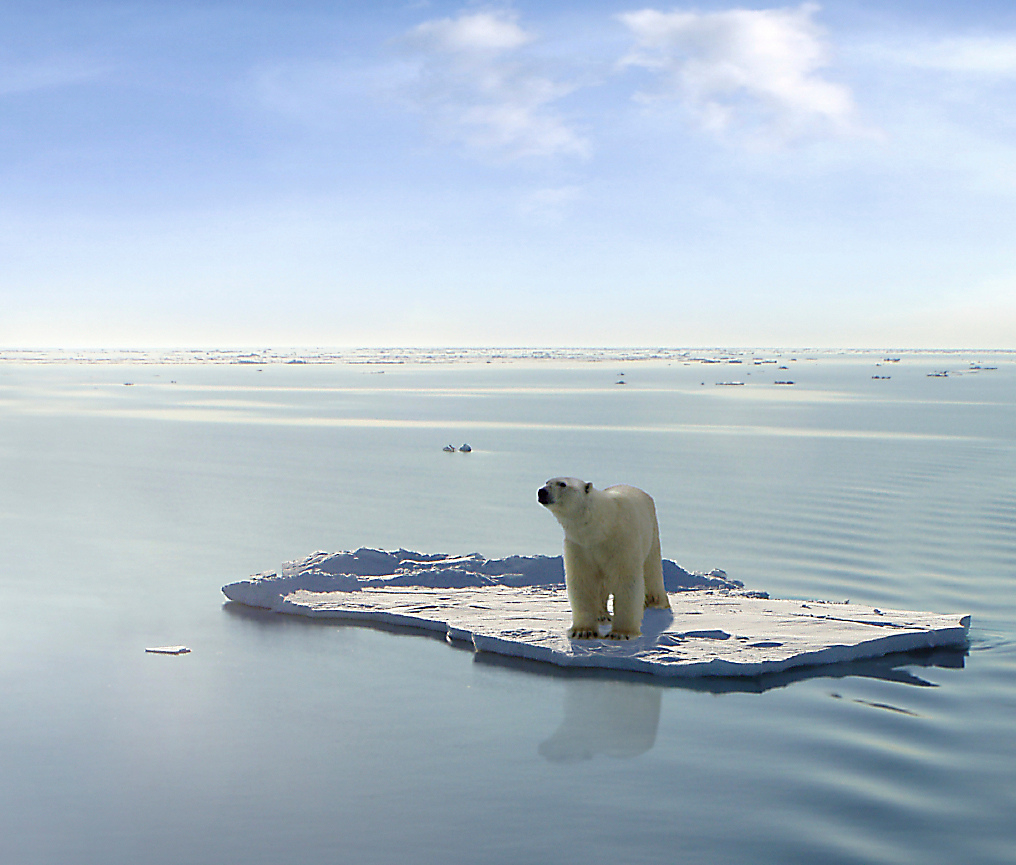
{"type": "Point", "coordinates": [562, 484]}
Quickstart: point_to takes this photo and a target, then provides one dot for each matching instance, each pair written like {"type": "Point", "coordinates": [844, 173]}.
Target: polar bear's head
{"type": "Point", "coordinates": [564, 496]}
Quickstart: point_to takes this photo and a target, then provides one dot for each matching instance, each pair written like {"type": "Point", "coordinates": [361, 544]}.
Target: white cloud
{"type": "Point", "coordinates": [48, 74]}
{"type": "Point", "coordinates": [993, 56]}
{"type": "Point", "coordinates": [474, 80]}
{"type": "Point", "coordinates": [946, 105]}
{"type": "Point", "coordinates": [743, 69]}
{"type": "Point", "coordinates": [477, 33]}
{"type": "Point", "coordinates": [551, 205]}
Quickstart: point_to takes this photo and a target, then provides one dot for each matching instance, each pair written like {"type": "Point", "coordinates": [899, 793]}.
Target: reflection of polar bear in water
{"type": "Point", "coordinates": [611, 547]}
{"type": "Point", "coordinates": [618, 719]}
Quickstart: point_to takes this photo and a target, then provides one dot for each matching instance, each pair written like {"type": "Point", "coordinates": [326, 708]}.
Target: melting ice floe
{"type": "Point", "coordinates": [517, 606]}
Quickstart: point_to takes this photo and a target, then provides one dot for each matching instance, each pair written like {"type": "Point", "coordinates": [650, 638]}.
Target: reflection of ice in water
{"type": "Point", "coordinates": [618, 719]}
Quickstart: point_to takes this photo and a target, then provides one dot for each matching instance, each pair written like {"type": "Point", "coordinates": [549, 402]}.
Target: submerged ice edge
{"type": "Point", "coordinates": [785, 634]}
{"type": "Point", "coordinates": [723, 667]}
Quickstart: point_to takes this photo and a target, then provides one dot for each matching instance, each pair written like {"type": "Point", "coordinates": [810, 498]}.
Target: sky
{"type": "Point", "coordinates": [576, 173]}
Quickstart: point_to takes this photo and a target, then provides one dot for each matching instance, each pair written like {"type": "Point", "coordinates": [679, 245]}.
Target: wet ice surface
{"type": "Point", "coordinates": [517, 606]}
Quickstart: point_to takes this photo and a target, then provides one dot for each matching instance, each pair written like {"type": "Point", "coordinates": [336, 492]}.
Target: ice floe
{"type": "Point", "coordinates": [517, 606]}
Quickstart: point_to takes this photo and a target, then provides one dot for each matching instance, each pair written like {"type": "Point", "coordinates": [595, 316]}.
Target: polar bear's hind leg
{"type": "Point", "coordinates": [656, 592]}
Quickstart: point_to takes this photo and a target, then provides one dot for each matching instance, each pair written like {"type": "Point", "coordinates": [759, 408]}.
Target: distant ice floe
{"type": "Point", "coordinates": [261, 357]}
{"type": "Point", "coordinates": [517, 606]}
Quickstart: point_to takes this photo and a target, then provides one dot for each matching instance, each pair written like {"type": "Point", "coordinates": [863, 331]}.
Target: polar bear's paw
{"type": "Point", "coordinates": [660, 602]}
{"type": "Point", "coordinates": [584, 634]}
{"type": "Point", "coordinates": [622, 635]}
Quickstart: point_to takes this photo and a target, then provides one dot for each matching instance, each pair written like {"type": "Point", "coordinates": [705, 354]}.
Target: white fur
{"type": "Point", "coordinates": [611, 547]}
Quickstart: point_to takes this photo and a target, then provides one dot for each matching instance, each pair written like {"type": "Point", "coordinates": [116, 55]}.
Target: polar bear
{"type": "Point", "coordinates": [611, 547]}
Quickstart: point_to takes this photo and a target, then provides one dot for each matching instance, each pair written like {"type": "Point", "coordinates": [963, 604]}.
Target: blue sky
{"type": "Point", "coordinates": [573, 173]}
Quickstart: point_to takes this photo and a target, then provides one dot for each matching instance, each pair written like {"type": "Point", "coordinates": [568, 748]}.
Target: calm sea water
{"type": "Point", "coordinates": [123, 509]}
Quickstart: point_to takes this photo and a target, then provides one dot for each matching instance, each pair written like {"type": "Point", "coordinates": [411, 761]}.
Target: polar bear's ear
{"type": "Point", "coordinates": [588, 487]}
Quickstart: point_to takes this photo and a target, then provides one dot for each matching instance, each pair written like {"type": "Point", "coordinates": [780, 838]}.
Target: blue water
{"type": "Point", "coordinates": [123, 509]}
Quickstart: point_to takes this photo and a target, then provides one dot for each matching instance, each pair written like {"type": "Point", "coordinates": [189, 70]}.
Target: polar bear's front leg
{"type": "Point", "coordinates": [629, 605]}
{"type": "Point", "coordinates": [586, 593]}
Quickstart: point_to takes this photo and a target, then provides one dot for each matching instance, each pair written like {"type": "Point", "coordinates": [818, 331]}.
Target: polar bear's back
{"type": "Point", "coordinates": [631, 497]}
{"type": "Point", "coordinates": [627, 491]}
{"type": "Point", "coordinates": [630, 511]}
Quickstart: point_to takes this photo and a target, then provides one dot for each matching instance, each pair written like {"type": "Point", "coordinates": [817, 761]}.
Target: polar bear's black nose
{"type": "Point", "coordinates": [543, 496]}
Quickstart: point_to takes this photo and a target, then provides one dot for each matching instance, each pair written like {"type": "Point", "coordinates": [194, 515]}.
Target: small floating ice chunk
{"type": "Point", "coordinates": [168, 650]}
{"type": "Point", "coordinates": [465, 449]}
{"type": "Point", "coordinates": [449, 449]}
